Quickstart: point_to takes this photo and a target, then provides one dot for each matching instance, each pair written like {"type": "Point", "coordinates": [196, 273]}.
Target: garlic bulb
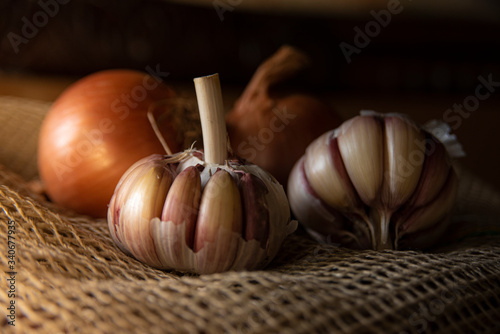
{"type": "Point", "coordinates": [378, 181]}
{"type": "Point", "coordinates": [199, 211]}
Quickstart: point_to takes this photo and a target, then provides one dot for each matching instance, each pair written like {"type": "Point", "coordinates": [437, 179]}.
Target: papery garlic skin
{"type": "Point", "coordinates": [178, 212]}
{"type": "Point", "coordinates": [378, 181]}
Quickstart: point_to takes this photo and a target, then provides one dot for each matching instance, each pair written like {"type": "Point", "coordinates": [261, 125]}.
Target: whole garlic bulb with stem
{"type": "Point", "coordinates": [378, 181]}
{"type": "Point", "coordinates": [200, 211]}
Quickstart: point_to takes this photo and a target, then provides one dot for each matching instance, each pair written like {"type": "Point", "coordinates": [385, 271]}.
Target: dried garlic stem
{"type": "Point", "coordinates": [158, 134]}
{"type": "Point", "coordinates": [209, 96]}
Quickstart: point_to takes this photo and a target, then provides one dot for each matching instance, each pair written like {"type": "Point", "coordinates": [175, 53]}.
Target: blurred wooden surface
{"type": "Point", "coordinates": [479, 134]}
{"type": "Point", "coordinates": [40, 87]}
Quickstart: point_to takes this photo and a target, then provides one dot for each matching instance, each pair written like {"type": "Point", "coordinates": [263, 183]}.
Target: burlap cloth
{"type": "Point", "coordinates": [70, 278]}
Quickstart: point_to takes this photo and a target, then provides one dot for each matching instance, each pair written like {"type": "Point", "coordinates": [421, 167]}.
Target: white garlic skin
{"type": "Point", "coordinates": [136, 225]}
{"type": "Point", "coordinates": [379, 181]}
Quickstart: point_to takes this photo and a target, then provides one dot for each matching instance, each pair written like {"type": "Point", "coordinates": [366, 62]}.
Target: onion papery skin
{"type": "Point", "coordinates": [274, 132]}
{"type": "Point", "coordinates": [95, 130]}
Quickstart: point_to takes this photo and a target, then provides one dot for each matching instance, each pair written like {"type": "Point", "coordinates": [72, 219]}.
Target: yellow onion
{"type": "Point", "coordinates": [97, 129]}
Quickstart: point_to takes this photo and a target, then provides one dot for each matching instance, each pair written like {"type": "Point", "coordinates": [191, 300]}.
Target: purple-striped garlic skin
{"type": "Point", "coordinates": [178, 212]}
{"type": "Point", "coordinates": [378, 181]}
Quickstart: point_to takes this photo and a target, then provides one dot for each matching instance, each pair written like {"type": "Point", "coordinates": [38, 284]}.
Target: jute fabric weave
{"type": "Point", "coordinates": [70, 278]}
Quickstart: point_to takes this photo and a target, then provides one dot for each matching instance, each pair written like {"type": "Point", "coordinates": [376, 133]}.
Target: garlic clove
{"type": "Point", "coordinates": [182, 202]}
{"type": "Point", "coordinates": [279, 215]}
{"type": "Point", "coordinates": [404, 158]}
{"type": "Point", "coordinates": [121, 192]}
{"type": "Point", "coordinates": [327, 175]}
{"type": "Point", "coordinates": [220, 214]}
{"type": "Point", "coordinates": [360, 142]}
{"type": "Point", "coordinates": [219, 225]}
{"type": "Point", "coordinates": [144, 193]}
{"type": "Point", "coordinates": [435, 211]}
{"type": "Point", "coordinates": [319, 219]}
{"type": "Point", "coordinates": [310, 209]}
{"type": "Point", "coordinates": [255, 208]}
{"type": "Point", "coordinates": [434, 174]}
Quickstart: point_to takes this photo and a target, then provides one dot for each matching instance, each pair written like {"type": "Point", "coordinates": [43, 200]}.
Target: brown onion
{"type": "Point", "coordinates": [96, 130]}
{"type": "Point", "coordinates": [272, 127]}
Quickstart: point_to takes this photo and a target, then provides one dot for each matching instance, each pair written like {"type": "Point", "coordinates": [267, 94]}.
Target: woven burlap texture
{"type": "Point", "coordinates": [70, 278]}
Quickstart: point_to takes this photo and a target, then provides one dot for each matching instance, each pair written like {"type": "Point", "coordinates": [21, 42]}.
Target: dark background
{"type": "Point", "coordinates": [432, 51]}
{"type": "Point", "coordinates": [427, 59]}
